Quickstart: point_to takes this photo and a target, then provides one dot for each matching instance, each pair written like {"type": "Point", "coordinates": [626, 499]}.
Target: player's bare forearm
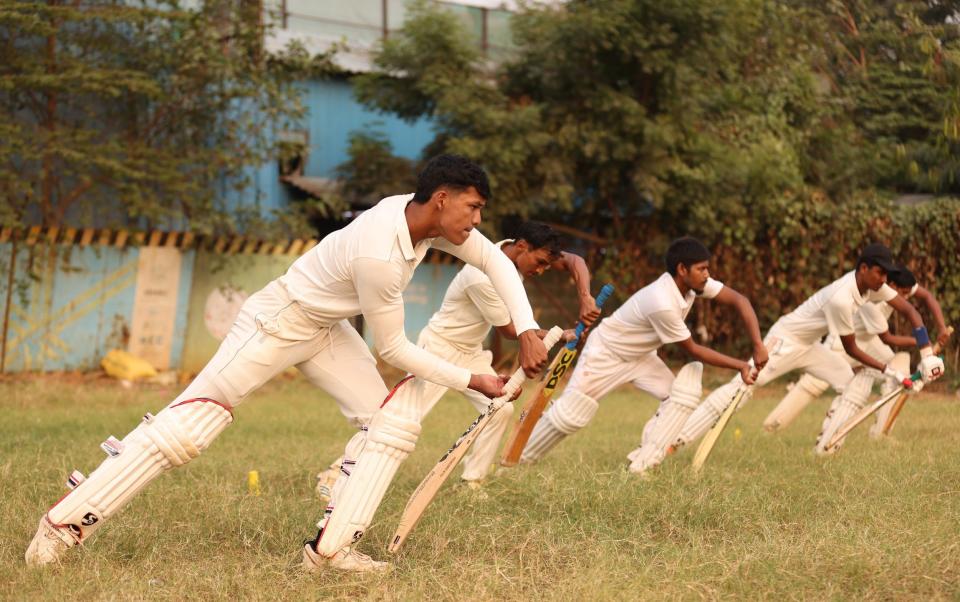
{"type": "Point", "coordinates": [577, 267]}
{"type": "Point", "coordinates": [850, 347]}
{"type": "Point", "coordinates": [709, 356]}
{"type": "Point", "coordinates": [745, 309]}
{"type": "Point", "coordinates": [906, 310]}
{"type": "Point", "coordinates": [895, 340]}
{"type": "Point", "coordinates": [731, 297]}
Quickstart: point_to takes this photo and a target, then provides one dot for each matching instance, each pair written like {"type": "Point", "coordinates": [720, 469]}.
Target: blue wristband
{"type": "Point", "coordinates": [920, 333]}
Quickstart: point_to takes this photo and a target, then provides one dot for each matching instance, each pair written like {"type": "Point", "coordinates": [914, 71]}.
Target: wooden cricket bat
{"type": "Point", "coordinates": [713, 435]}
{"type": "Point", "coordinates": [865, 413]}
{"type": "Point", "coordinates": [899, 403]}
{"type": "Point", "coordinates": [537, 402]}
{"type": "Point", "coordinates": [430, 485]}
{"type": "Point", "coordinates": [710, 439]}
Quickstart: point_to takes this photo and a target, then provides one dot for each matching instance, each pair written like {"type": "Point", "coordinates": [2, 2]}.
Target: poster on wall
{"type": "Point", "coordinates": [155, 305]}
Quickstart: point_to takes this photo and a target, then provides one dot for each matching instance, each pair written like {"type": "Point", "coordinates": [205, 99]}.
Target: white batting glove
{"type": "Point", "coordinates": [931, 366]}
{"type": "Point", "coordinates": [898, 377]}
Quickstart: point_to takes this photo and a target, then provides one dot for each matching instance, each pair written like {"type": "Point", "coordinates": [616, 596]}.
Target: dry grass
{"type": "Point", "coordinates": [767, 520]}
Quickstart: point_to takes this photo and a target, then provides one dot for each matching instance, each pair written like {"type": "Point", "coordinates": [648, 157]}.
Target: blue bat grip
{"type": "Point", "coordinates": [605, 293]}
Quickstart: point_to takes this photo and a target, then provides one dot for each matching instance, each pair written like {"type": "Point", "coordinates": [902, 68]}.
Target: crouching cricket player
{"type": "Point", "coordinates": [871, 326]}
{"type": "Point", "coordinates": [795, 343]}
{"type": "Point", "coordinates": [623, 348]}
{"type": "Point", "coordinates": [456, 333]}
{"type": "Point", "coordinates": [299, 320]}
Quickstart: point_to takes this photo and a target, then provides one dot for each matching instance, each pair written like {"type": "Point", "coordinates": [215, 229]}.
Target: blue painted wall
{"type": "Point", "coordinates": [70, 305]}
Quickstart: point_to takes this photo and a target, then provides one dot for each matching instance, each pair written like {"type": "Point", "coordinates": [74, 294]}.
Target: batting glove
{"type": "Point", "coordinates": [931, 366]}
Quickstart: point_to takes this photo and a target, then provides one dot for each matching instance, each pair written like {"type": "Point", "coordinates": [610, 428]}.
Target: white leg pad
{"type": "Point", "coordinates": [854, 397]}
{"type": "Point", "coordinates": [569, 414]}
{"type": "Point", "coordinates": [708, 412]}
{"type": "Point", "coordinates": [389, 440]}
{"type": "Point", "coordinates": [669, 419]}
{"type": "Point", "coordinates": [173, 437]}
{"type": "Point", "coordinates": [900, 363]}
{"type": "Point", "coordinates": [483, 453]}
{"type": "Point", "coordinates": [799, 396]}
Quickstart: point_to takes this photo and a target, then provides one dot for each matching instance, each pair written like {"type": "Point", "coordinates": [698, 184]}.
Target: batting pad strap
{"type": "Point", "coordinates": [572, 412]}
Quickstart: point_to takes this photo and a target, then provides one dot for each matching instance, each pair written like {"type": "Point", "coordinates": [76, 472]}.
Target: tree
{"type": "Point", "coordinates": [147, 112]}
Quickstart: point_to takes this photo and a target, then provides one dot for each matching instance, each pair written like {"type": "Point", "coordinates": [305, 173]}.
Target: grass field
{"type": "Point", "coordinates": [767, 520]}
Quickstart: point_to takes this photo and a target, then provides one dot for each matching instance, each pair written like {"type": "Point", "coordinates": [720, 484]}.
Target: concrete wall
{"type": "Point", "coordinates": [66, 306]}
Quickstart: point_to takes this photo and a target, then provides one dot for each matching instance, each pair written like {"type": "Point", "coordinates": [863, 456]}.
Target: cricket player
{"type": "Point", "coordinates": [871, 326]}
{"type": "Point", "coordinates": [299, 320]}
{"type": "Point", "coordinates": [624, 347]}
{"type": "Point", "coordinates": [456, 332]}
{"type": "Point", "coordinates": [795, 343]}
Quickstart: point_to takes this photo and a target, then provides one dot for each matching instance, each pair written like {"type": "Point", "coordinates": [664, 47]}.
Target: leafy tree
{"type": "Point", "coordinates": [146, 113]}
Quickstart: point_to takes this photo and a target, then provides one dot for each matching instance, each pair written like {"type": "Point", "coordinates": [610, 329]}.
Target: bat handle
{"type": "Point", "coordinates": [516, 380]}
{"type": "Point", "coordinates": [605, 293]}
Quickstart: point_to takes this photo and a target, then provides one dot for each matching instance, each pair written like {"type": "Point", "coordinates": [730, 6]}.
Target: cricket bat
{"type": "Point", "coordinates": [710, 439]}
{"type": "Point", "coordinates": [899, 403]}
{"type": "Point", "coordinates": [537, 402]}
{"type": "Point", "coordinates": [430, 485]}
{"type": "Point", "coordinates": [866, 412]}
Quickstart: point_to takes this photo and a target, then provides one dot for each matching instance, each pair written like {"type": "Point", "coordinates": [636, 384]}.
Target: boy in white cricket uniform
{"type": "Point", "coordinates": [456, 332]}
{"type": "Point", "coordinates": [624, 349]}
{"type": "Point", "coordinates": [795, 343]}
{"type": "Point", "coordinates": [871, 326]}
{"type": "Point", "coordinates": [300, 320]}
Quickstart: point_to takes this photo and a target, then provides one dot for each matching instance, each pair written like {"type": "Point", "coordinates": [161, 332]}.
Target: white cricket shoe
{"type": "Point", "coordinates": [48, 544]}
{"type": "Point", "coordinates": [346, 559]}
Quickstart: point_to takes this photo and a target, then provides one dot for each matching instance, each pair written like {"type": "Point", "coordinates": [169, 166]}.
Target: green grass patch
{"type": "Point", "coordinates": [766, 520]}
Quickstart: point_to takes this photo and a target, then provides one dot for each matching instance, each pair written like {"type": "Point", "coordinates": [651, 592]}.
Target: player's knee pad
{"type": "Point", "coordinates": [799, 396]}
{"type": "Point", "coordinates": [569, 414]}
{"type": "Point", "coordinates": [708, 412]}
{"type": "Point", "coordinates": [670, 418]}
{"type": "Point", "coordinates": [173, 437]}
{"type": "Point", "coordinates": [843, 408]}
{"type": "Point", "coordinates": [390, 438]}
{"type": "Point", "coordinates": [572, 412]}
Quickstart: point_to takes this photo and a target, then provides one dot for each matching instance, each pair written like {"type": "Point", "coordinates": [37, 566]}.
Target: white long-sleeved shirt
{"type": "Point", "coordinates": [364, 269]}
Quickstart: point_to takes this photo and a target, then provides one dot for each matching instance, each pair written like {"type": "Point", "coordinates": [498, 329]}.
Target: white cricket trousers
{"type": "Point", "coordinates": [599, 371]}
{"type": "Point", "coordinates": [273, 333]}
